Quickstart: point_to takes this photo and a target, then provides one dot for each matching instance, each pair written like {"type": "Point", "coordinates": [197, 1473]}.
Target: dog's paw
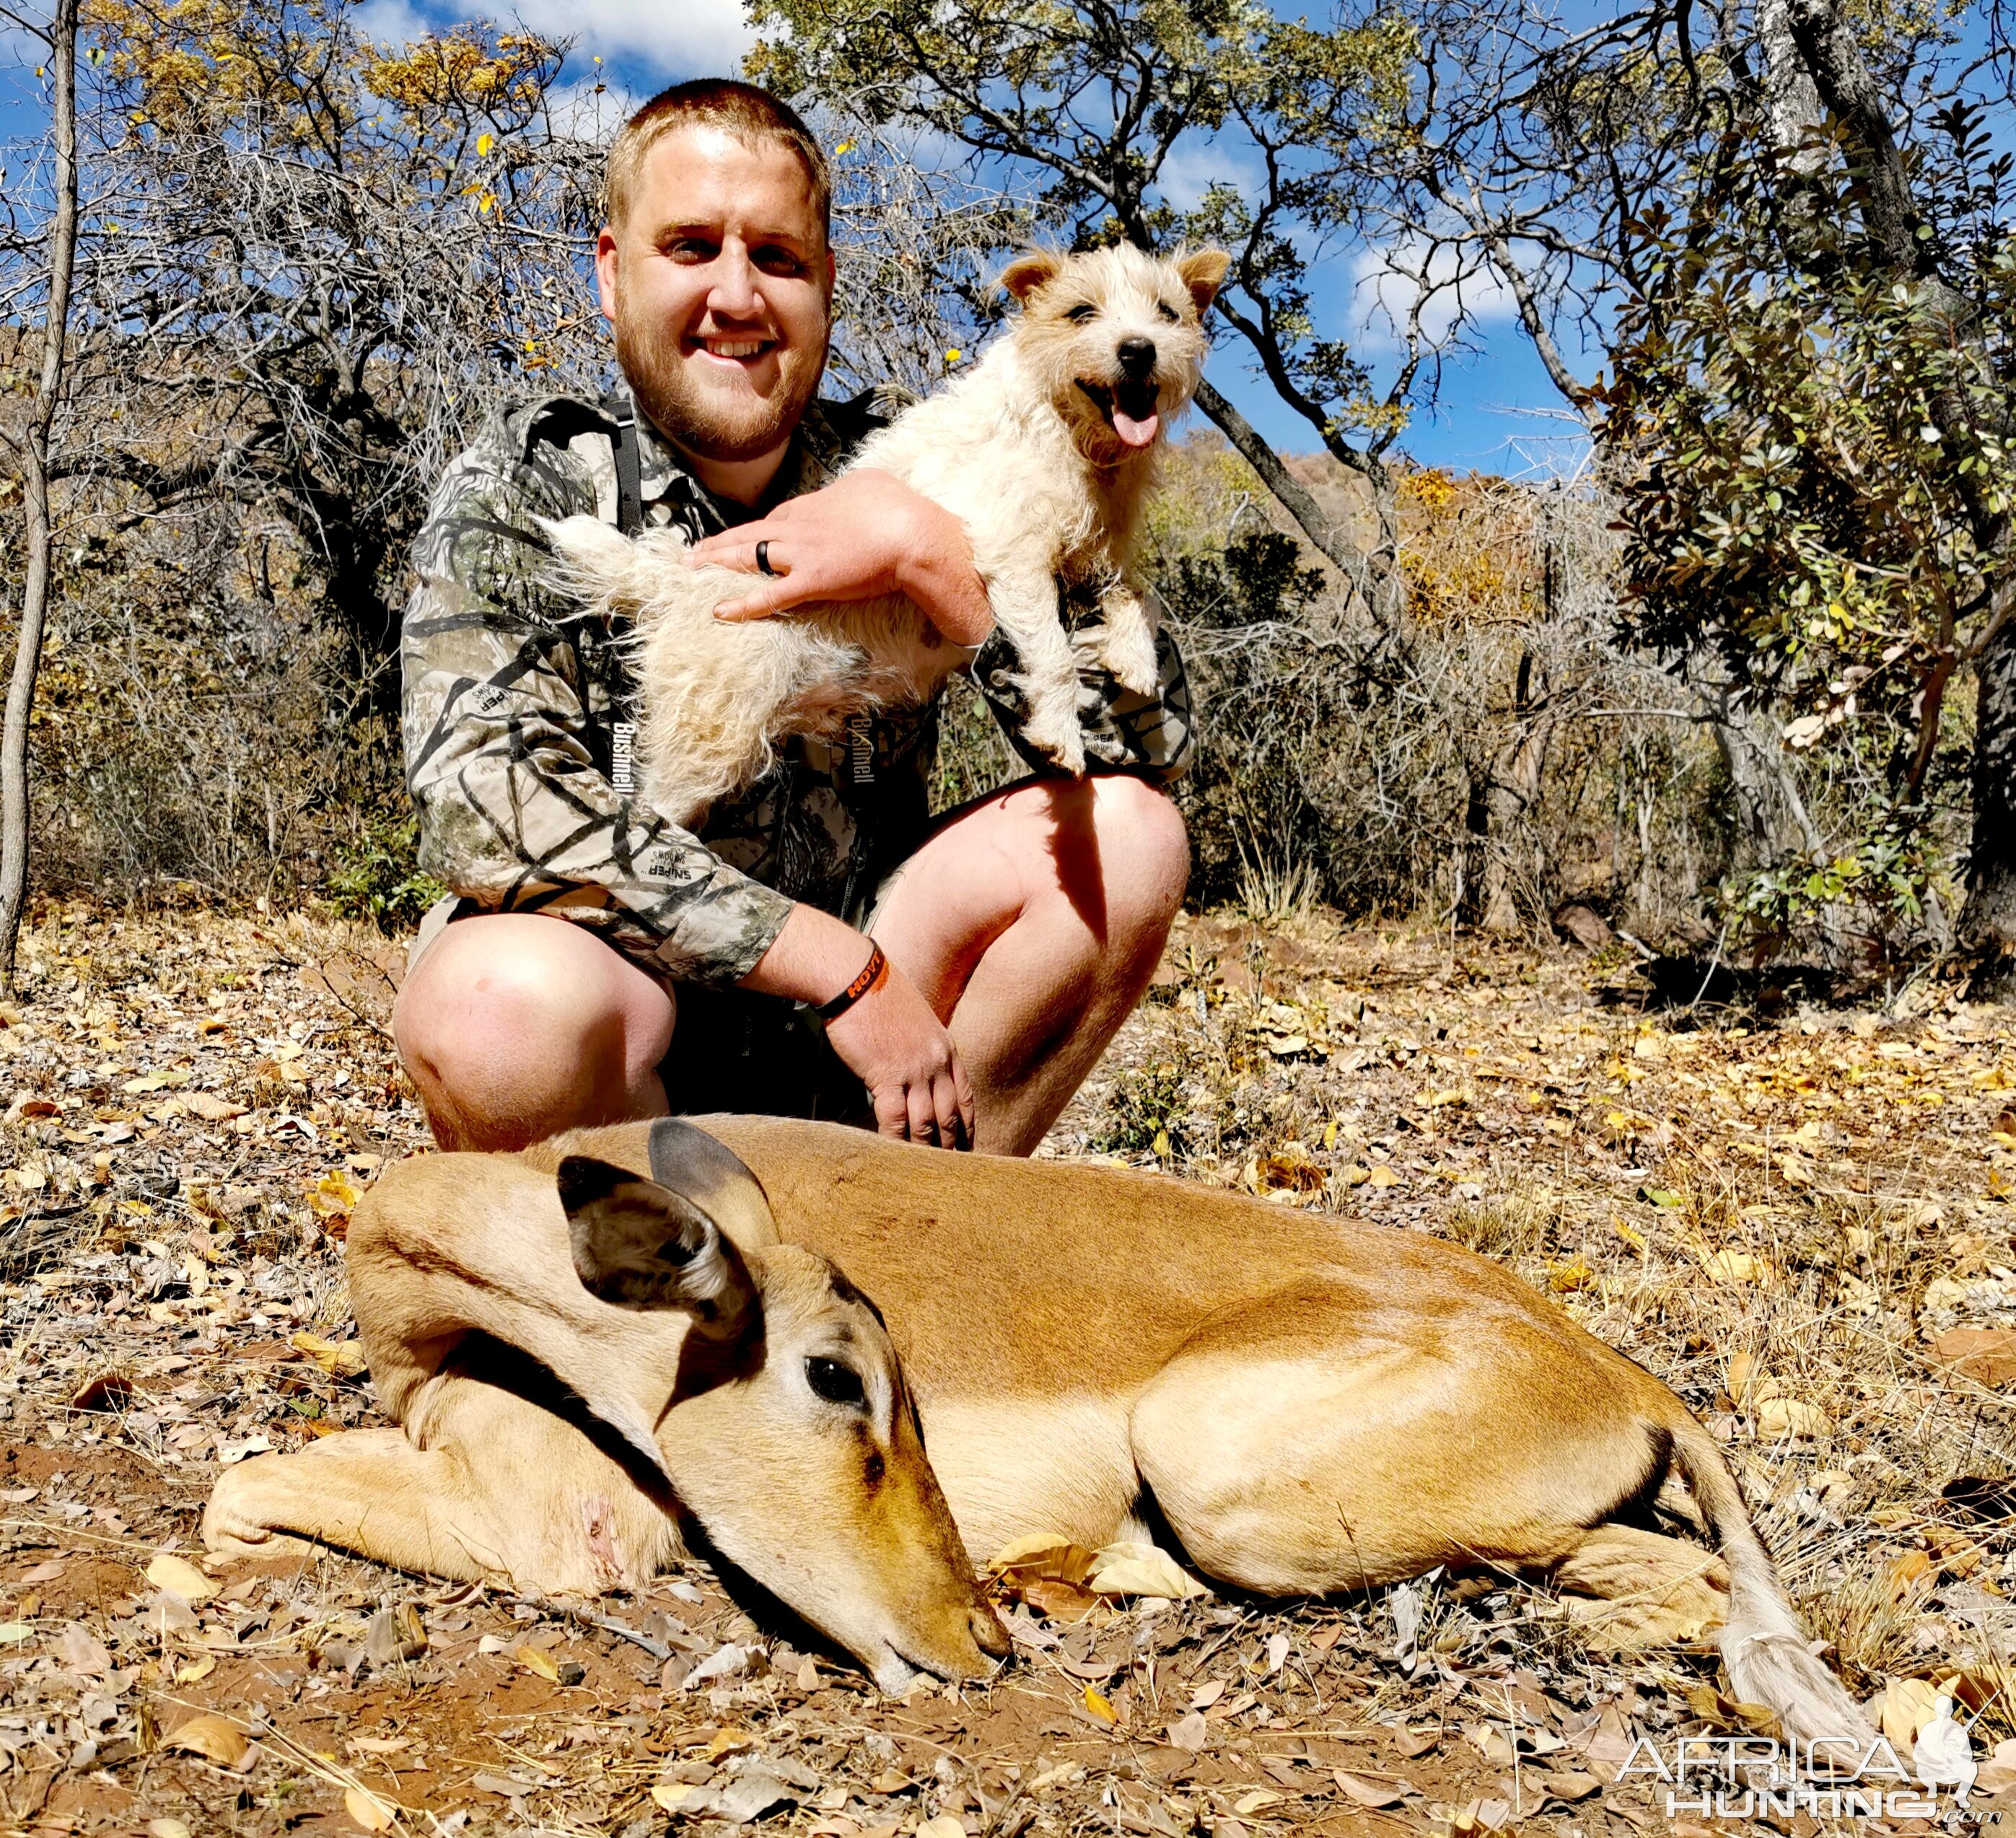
{"type": "Point", "coordinates": [1128, 651]}
{"type": "Point", "coordinates": [1061, 742]}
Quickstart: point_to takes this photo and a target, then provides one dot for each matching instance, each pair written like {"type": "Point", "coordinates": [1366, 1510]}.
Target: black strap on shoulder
{"type": "Point", "coordinates": [629, 464]}
{"type": "Point", "coordinates": [557, 419]}
{"type": "Point", "coordinates": [560, 419]}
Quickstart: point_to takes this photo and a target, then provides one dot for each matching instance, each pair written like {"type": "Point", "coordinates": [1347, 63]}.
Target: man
{"type": "Point", "coordinates": [597, 963]}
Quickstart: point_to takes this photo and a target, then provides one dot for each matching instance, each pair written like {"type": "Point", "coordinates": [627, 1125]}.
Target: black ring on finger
{"type": "Point", "coordinates": [763, 559]}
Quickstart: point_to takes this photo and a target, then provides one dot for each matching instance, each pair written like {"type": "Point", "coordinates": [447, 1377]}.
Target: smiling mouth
{"type": "Point", "coordinates": [1129, 408]}
{"type": "Point", "coordinates": [734, 349]}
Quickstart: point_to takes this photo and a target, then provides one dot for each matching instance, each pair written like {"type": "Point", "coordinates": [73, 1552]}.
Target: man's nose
{"type": "Point", "coordinates": [1137, 356]}
{"type": "Point", "coordinates": [734, 291]}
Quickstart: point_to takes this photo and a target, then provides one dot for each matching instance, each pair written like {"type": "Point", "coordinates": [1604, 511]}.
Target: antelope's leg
{"type": "Point", "coordinates": [1301, 1452]}
{"type": "Point", "coordinates": [1637, 1587]}
{"type": "Point", "coordinates": [366, 1490]}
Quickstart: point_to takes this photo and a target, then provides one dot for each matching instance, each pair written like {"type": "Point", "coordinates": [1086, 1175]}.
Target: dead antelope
{"type": "Point", "coordinates": [587, 1341]}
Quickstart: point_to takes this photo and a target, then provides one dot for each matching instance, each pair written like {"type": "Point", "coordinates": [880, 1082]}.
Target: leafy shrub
{"type": "Point", "coordinates": [378, 877]}
{"type": "Point", "coordinates": [1146, 1113]}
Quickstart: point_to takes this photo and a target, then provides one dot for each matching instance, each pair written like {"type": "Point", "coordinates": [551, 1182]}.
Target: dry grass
{"type": "Point", "coordinates": [1780, 1221]}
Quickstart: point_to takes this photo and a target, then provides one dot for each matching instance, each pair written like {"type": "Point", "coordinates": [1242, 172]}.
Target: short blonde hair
{"type": "Point", "coordinates": [750, 114]}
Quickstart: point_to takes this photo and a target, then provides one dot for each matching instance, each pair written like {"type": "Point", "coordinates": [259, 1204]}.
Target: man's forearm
{"type": "Point", "coordinates": [940, 580]}
{"type": "Point", "coordinates": [812, 960]}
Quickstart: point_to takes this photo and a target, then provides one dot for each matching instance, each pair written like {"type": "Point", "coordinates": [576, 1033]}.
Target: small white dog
{"type": "Point", "coordinates": [1046, 450]}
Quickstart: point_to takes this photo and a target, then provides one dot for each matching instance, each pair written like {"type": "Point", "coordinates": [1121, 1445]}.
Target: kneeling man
{"type": "Point", "coordinates": [816, 946]}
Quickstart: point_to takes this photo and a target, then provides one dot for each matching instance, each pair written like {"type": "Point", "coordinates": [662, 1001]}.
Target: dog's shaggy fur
{"type": "Point", "coordinates": [1046, 450]}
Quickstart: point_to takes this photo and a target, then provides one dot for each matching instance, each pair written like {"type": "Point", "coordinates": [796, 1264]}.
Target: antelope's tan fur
{"type": "Point", "coordinates": [1311, 1406]}
{"type": "Point", "coordinates": [1020, 452]}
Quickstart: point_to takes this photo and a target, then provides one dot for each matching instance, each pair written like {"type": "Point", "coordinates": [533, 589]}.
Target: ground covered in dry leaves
{"type": "Point", "coordinates": [1798, 1215]}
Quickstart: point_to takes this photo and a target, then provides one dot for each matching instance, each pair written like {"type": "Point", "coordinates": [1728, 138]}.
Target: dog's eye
{"type": "Point", "coordinates": [1167, 312]}
{"type": "Point", "coordinates": [1082, 311]}
{"type": "Point", "coordinates": [836, 1383]}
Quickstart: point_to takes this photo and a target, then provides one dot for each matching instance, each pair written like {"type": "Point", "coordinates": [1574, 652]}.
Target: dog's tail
{"type": "Point", "coordinates": [1769, 1660]}
{"type": "Point", "coordinates": [596, 563]}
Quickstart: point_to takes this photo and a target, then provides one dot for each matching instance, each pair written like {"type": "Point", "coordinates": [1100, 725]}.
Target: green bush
{"type": "Point", "coordinates": [378, 876]}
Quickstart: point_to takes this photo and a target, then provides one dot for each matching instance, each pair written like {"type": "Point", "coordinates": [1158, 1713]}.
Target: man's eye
{"type": "Point", "coordinates": [779, 261]}
{"type": "Point", "coordinates": [692, 249]}
{"type": "Point", "coordinates": [1079, 314]}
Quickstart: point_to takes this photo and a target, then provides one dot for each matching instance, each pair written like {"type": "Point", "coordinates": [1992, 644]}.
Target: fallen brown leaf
{"type": "Point", "coordinates": [168, 1571]}
{"type": "Point", "coordinates": [216, 1738]}
{"type": "Point", "coordinates": [533, 1660]}
{"type": "Point", "coordinates": [1985, 1355]}
{"type": "Point", "coordinates": [1367, 1793]}
{"type": "Point", "coordinates": [368, 1810]}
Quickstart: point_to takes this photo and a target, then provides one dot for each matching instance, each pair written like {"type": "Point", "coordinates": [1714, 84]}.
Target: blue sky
{"type": "Point", "coordinates": [1498, 411]}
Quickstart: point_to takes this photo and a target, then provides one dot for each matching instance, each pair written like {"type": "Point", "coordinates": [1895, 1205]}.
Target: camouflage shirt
{"type": "Point", "coordinates": [518, 717]}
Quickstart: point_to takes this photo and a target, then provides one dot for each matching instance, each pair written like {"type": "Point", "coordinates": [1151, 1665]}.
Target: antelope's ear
{"type": "Point", "coordinates": [710, 1175]}
{"type": "Point", "coordinates": [1203, 271]}
{"type": "Point", "coordinates": [639, 1245]}
{"type": "Point", "coordinates": [1029, 272]}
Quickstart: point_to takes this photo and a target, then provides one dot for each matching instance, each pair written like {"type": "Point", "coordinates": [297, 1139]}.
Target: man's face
{"type": "Point", "coordinates": [720, 287]}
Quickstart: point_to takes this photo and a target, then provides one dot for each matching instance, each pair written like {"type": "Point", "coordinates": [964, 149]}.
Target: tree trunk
{"type": "Point", "coordinates": [35, 480]}
{"type": "Point", "coordinates": [1840, 77]}
{"type": "Point", "coordinates": [1376, 578]}
{"type": "Point", "coordinates": [1515, 790]}
{"type": "Point", "coordinates": [1499, 798]}
{"type": "Point", "coordinates": [1988, 923]}
{"type": "Point", "coordinates": [1791, 99]}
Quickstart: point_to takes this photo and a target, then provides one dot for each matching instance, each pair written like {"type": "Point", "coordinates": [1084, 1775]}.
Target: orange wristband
{"type": "Point", "coordinates": [872, 975]}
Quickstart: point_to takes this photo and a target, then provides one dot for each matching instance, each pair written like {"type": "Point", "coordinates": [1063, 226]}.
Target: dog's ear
{"type": "Point", "coordinates": [1203, 271]}
{"type": "Point", "coordinates": [1029, 272]}
{"type": "Point", "coordinates": [640, 1245]}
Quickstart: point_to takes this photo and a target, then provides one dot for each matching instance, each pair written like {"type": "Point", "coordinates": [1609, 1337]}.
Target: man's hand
{"type": "Point", "coordinates": [890, 1038]}
{"type": "Point", "coordinates": [865, 535]}
{"type": "Point", "coordinates": [900, 1050]}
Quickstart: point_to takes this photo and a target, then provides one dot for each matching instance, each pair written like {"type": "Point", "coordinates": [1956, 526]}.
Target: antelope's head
{"type": "Point", "coordinates": [790, 1437]}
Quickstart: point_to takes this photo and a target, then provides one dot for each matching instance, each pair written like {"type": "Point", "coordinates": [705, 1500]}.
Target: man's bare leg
{"type": "Point", "coordinates": [1032, 925]}
{"type": "Point", "coordinates": [514, 1026]}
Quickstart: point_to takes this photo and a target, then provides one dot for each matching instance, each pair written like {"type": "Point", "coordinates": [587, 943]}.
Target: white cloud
{"type": "Point", "coordinates": [1454, 291]}
{"type": "Point", "coordinates": [668, 37]}
{"type": "Point", "coordinates": [1194, 164]}
{"type": "Point", "coordinates": [392, 22]}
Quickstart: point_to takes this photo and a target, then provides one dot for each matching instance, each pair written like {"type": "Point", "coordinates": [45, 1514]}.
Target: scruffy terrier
{"type": "Point", "coordinates": [1046, 450]}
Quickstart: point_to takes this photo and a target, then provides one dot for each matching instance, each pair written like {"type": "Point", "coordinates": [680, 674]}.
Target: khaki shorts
{"type": "Point", "coordinates": [732, 1049]}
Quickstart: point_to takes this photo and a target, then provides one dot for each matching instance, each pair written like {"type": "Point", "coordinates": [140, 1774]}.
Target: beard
{"type": "Point", "coordinates": [666, 387]}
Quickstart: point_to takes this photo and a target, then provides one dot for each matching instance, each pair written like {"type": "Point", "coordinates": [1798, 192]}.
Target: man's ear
{"type": "Point", "coordinates": [605, 271]}
{"type": "Point", "coordinates": [640, 1245]}
{"type": "Point", "coordinates": [1029, 272]}
{"type": "Point", "coordinates": [1203, 271]}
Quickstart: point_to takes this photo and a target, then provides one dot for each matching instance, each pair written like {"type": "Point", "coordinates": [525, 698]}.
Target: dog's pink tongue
{"type": "Point", "coordinates": [1136, 433]}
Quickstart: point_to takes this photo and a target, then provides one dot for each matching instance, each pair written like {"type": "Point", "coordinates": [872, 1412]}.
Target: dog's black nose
{"type": "Point", "coordinates": [1137, 356]}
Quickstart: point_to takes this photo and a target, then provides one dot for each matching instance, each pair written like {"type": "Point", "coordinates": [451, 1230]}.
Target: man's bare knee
{"type": "Point", "coordinates": [515, 1026]}
{"type": "Point", "coordinates": [1144, 848]}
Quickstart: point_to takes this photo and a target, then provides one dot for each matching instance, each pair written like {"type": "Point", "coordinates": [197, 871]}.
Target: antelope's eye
{"type": "Point", "coordinates": [1167, 312]}
{"type": "Point", "coordinates": [1084, 310]}
{"type": "Point", "coordinates": [836, 1383]}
